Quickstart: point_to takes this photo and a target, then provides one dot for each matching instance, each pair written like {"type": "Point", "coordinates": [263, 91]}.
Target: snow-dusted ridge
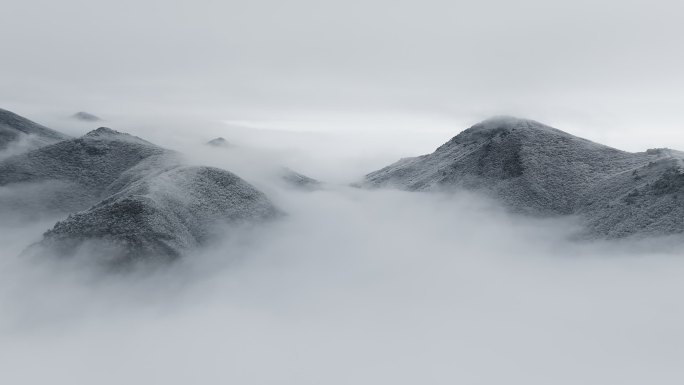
{"type": "Point", "coordinates": [15, 128]}
{"type": "Point", "coordinates": [138, 201]}
{"type": "Point", "coordinates": [540, 170]}
{"type": "Point", "coordinates": [161, 215]}
{"type": "Point", "coordinates": [79, 169]}
{"type": "Point", "coordinates": [129, 199]}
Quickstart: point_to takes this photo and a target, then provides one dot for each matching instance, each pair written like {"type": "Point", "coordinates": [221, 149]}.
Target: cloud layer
{"type": "Point", "coordinates": [355, 286]}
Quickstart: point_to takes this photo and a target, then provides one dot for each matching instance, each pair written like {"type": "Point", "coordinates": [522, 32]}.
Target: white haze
{"type": "Point", "coordinates": [608, 68]}
{"type": "Point", "coordinates": [351, 287]}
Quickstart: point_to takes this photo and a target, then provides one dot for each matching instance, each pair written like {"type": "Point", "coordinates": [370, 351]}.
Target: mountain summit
{"type": "Point", "coordinates": [537, 169]}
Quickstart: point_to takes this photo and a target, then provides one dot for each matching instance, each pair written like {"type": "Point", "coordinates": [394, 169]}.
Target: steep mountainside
{"type": "Point", "coordinates": [77, 170]}
{"type": "Point", "coordinates": [14, 128]}
{"type": "Point", "coordinates": [160, 215]}
{"type": "Point", "coordinates": [132, 199]}
{"type": "Point", "coordinates": [648, 200]}
{"type": "Point", "coordinates": [540, 170]}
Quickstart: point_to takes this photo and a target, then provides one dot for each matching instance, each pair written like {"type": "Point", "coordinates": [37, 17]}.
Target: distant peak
{"type": "Point", "coordinates": [219, 142]}
{"type": "Point", "coordinates": [85, 116]}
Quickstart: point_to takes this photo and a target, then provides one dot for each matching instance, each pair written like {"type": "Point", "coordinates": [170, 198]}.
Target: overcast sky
{"type": "Point", "coordinates": [608, 70]}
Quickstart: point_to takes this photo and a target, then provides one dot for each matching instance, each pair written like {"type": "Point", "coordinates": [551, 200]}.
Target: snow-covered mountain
{"type": "Point", "coordinates": [160, 213]}
{"type": "Point", "coordinates": [136, 200]}
{"type": "Point", "coordinates": [537, 169]}
{"type": "Point", "coordinates": [126, 196]}
{"type": "Point", "coordinates": [76, 173]}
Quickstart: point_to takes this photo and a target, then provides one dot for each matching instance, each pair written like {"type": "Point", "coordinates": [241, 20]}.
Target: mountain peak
{"type": "Point", "coordinates": [85, 116]}
{"type": "Point", "coordinates": [505, 121]}
{"type": "Point", "coordinates": [219, 142]}
{"type": "Point", "coordinates": [508, 124]}
{"type": "Point", "coordinates": [501, 127]}
{"type": "Point", "coordinates": [537, 169]}
{"type": "Point", "coordinates": [106, 133]}
{"type": "Point", "coordinates": [102, 131]}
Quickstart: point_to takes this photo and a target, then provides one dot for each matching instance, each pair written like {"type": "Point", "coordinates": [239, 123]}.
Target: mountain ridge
{"type": "Point", "coordinates": [535, 169]}
{"type": "Point", "coordinates": [14, 128]}
{"type": "Point", "coordinates": [127, 199]}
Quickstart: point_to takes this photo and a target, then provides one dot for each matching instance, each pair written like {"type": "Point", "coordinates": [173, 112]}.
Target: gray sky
{"type": "Point", "coordinates": [607, 70]}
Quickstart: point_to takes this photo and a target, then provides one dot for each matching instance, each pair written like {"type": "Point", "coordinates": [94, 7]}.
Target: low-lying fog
{"type": "Point", "coordinates": [351, 287]}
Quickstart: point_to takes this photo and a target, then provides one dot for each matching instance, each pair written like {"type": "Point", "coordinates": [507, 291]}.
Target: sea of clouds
{"type": "Point", "coordinates": [350, 287]}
